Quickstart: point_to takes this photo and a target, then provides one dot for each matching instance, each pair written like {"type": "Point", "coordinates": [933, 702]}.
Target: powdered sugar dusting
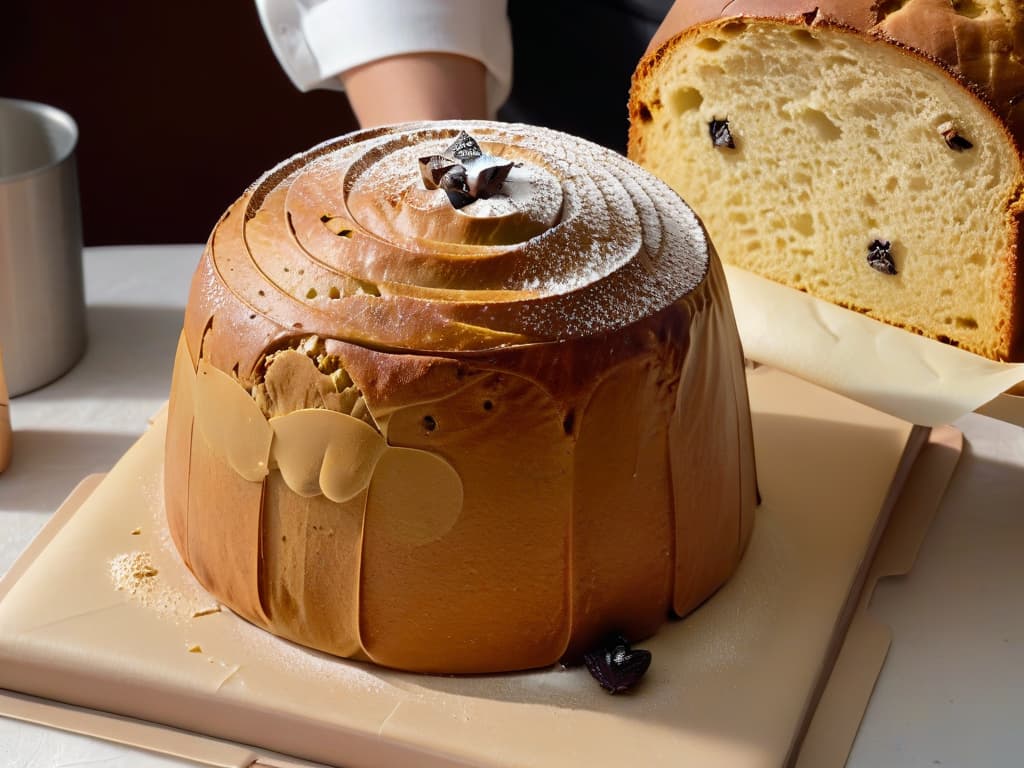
{"type": "Point", "coordinates": [300, 663]}
{"type": "Point", "coordinates": [529, 190]}
{"type": "Point", "coordinates": [596, 237]}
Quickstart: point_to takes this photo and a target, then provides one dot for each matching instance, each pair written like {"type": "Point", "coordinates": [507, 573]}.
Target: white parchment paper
{"type": "Point", "coordinates": [914, 378]}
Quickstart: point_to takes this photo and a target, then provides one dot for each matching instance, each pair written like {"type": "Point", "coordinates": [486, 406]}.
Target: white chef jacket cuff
{"type": "Point", "coordinates": [316, 44]}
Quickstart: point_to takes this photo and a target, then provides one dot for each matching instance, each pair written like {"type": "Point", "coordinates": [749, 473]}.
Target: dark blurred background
{"type": "Point", "coordinates": [180, 106]}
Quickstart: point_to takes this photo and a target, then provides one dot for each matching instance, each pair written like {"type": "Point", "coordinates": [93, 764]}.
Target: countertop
{"type": "Point", "coordinates": [952, 689]}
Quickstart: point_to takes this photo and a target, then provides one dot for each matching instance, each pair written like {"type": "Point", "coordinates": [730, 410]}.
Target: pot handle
{"type": "Point", "coordinates": [5, 419]}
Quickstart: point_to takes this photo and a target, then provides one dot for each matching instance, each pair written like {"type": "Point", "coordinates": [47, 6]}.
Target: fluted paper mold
{"type": "Point", "coordinates": [562, 444]}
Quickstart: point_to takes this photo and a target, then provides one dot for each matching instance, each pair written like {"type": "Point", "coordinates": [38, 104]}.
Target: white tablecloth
{"type": "Point", "coordinates": [951, 692]}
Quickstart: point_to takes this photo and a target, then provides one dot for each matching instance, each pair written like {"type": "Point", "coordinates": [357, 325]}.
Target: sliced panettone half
{"type": "Point", "coordinates": [865, 152]}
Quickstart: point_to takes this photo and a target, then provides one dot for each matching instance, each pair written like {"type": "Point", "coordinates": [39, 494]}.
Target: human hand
{"type": "Point", "coordinates": [417, 86]}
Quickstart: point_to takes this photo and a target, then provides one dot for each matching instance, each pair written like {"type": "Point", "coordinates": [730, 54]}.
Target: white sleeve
{"type": "Point", "coordinates": [317, 40]}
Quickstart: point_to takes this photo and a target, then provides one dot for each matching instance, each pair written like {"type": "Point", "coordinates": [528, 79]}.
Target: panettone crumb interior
{"type": "Point", "coordinates": [834, 143]}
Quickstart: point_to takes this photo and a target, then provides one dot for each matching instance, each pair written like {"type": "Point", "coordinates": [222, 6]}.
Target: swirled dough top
{"type": "Point", "coordinates": [347, 241]}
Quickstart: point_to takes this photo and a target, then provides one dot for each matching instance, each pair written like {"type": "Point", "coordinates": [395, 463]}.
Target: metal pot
{"type": "Point", "coordinates": [42, 301]}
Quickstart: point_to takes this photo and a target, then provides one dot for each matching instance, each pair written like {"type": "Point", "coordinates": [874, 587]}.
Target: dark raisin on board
{"type": "Point", "coordinates": [616, 666]}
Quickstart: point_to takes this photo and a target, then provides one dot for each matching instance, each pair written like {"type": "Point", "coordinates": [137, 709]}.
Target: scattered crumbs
{"type": "Point", "coordinates": [206, 611]}
{"type": "Point", "coordinates": [132, 572]}
{"type": "Point", "coordinates": [136, 531]}
{"type": "Point", "coordinates": [195, 649]}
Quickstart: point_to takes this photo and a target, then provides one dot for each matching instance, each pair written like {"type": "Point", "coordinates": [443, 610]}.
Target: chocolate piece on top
{"type": "Point", "coordinates": [464, 172]}
{"type": "Point", "coordinates": [464, 147]}
{"type": "Point", "coordinates": [455, 184]}
{"type": "Point", "coordinates": [433, 168]}
{"type": "Point", "coordinates": [487, 180]}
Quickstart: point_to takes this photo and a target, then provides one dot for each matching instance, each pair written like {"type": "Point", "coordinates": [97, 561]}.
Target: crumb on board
{"type": "Point", "coordinates": [135, 574]}
{"type": "Point", "coordinates": [132, 571]}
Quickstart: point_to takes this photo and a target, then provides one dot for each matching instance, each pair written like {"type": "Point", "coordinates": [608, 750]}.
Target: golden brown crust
{"type": "Point", "coordinates": [392, 284]}
{"type": "Point", "coordinates": [1013, 287]}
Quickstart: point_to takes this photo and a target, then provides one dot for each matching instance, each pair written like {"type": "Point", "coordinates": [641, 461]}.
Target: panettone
{"type": "Point", "coordinates": [457, 405]}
